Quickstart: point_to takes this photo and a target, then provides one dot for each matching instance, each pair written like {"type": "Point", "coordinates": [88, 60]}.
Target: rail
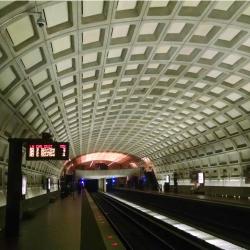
{"type": "Point", "coordinates": [138, 230]}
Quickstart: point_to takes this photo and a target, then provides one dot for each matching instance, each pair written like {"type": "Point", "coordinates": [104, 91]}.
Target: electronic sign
{"type": "Point", "coordinates": [47, 151]}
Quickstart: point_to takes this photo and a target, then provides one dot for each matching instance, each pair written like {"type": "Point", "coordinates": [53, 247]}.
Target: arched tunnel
{"type": "Point", "coordinates": [154, 94]}
{"type": "Point", "coordinates": [121, 169]}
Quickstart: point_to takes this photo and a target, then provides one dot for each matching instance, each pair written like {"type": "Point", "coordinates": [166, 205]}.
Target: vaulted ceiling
{"type": "Point", "coordinates": [139, 77]}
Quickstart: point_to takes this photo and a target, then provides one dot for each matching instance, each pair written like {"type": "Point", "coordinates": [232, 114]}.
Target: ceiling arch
{"type": "Point", "coordinates": [149, 78]}
{"type": "Point", "coordinates": [103, 160]}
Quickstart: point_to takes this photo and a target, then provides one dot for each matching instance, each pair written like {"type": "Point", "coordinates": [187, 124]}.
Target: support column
{"type": "Point", "coordinates": [100, 185]}
{"type": "Point", "coordinates": [14, 188]}
{"type": "Point", "coordinates": [104, 185]}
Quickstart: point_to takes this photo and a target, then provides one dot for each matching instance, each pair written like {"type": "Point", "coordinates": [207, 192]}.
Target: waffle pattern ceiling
{"type": "Point", "coordinates": [135, 77]}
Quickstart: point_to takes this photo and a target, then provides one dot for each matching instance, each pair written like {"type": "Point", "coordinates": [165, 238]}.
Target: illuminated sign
{"type": "Point", "coordinates": [24, 185]}
{"type": "Point", "coordinates": [48, 184]}
{"type": "Point", "coordinates": [200, 178]}
{"type": "Point", "coordinates": [168, 179]}
{"type": "Point", "coordinates": [47, 151]}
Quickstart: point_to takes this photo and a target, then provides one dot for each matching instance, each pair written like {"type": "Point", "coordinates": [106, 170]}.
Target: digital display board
{"type": "Point", "coordinates": [47, 151]}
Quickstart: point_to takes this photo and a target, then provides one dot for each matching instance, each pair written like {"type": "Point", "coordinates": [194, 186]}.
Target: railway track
{"type": "Point", "coordinates": [139, 231]}
{"type": "Point", "coordinates": [219, 223]}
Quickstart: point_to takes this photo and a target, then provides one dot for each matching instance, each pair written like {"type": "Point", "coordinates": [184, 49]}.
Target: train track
{"type": "Point", "coordinates": [219, 224]}
{"type": "Point", "coordinates": [139, 231]}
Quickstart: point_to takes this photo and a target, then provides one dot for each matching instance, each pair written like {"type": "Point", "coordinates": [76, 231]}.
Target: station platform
{"type": "Point", "coordinates": [54, 227]}
{"type": "Point", "coordinates": [71, 223]}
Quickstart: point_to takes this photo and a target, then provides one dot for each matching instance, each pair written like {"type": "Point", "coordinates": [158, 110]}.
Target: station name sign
{"type": "Point", "coordinates": [47, 151]}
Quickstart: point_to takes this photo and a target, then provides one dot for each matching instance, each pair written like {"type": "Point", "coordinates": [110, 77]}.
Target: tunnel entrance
{"type": "Point", "coordinates": [109, 184]}
{"type": "Point", "coordinates": [91, 185]}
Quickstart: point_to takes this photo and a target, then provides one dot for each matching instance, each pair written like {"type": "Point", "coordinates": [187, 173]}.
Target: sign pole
{"type": "Point", "coordinates": [14, 188]}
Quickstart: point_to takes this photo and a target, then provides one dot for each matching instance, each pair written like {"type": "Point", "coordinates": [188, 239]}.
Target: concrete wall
{"type": "Point", "coordinates": [233, 192]}
{"type": "Point", "coordinates": [102, 185]}
{"type": "Point", "coordinates": [31, 193]}
{"type": "Point", "coordinates": [233, 187]}
{"type": "Point", "coordinates": [229, 192]}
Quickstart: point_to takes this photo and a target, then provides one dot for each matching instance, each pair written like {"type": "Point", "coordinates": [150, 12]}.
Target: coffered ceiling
{"type": "Point", "coordinates": [137, 77]}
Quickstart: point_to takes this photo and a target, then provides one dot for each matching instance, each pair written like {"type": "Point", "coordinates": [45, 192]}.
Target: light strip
{"type": "Point", "coordinates": [101, 156]}
{"type": "Point", "coordinates": [91, 164]}
{"type": "Point", "coordinates": [211, 239]}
